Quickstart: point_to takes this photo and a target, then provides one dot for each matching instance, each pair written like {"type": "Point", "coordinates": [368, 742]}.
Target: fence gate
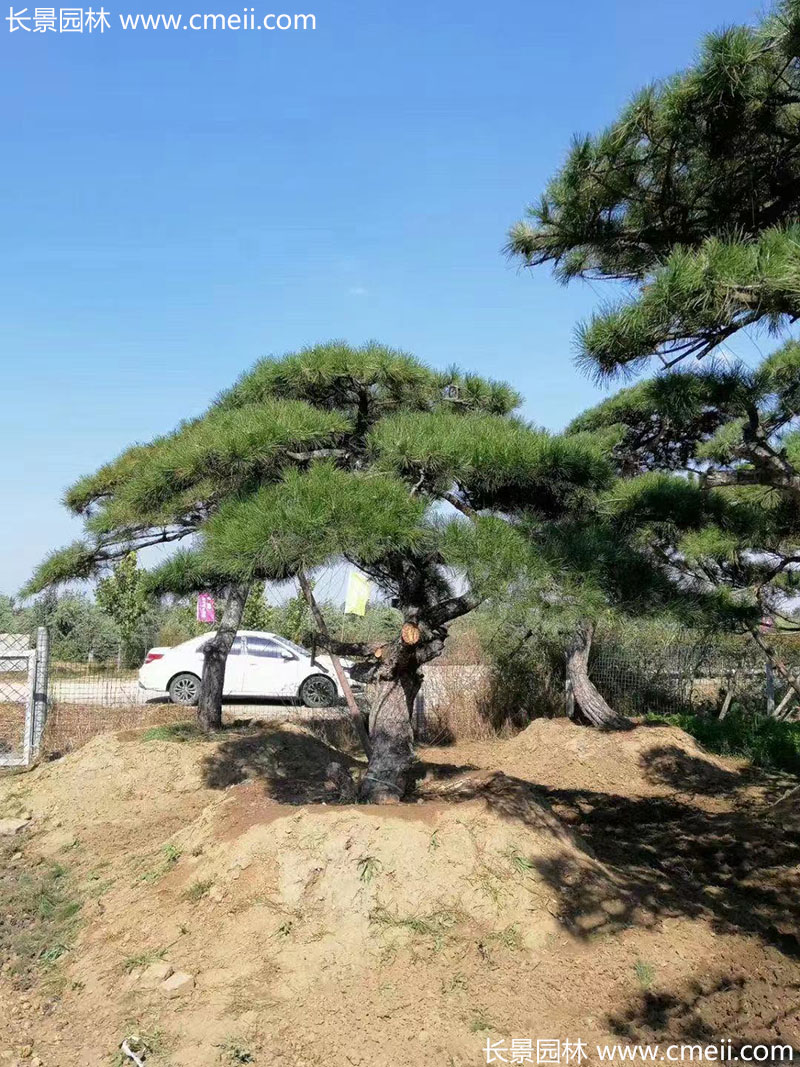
{"type": "Point", "coordinates": [23, 697]}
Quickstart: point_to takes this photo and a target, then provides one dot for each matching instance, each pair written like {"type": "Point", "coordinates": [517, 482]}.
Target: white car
{"type": "Point", "coordinates": [259, 665]}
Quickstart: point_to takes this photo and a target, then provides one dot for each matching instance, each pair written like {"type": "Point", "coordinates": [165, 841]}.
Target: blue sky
{"type": "Point", "coordinates": [174, 205]}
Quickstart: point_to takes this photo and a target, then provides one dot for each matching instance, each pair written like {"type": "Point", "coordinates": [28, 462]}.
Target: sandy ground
{"type": "Point", "coordinates": [560, 885]}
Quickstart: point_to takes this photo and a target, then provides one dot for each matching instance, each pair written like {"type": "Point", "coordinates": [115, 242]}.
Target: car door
{"type": "Point", "coordinates": [268, 669]}
{"type": "Point", "coordinates": [234, 667]}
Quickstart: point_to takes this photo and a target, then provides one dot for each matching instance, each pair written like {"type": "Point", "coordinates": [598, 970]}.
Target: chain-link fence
{"type": "Point", "coordinates": [93, 683]}
{"type": "Point", "coordinates": [698, 676]}
{"type": "Point", "coordinates": [638, 674]}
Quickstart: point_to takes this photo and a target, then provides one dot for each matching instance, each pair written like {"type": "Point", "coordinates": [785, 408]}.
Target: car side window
{"type": "Point", "coordinates": [261, 646]}
{"type": "Point", "coordinates": [236, 647]}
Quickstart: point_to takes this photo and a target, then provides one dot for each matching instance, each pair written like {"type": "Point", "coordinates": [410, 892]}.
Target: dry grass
{"type": "Point", "coordinates": [461, 708]}
{"type": "Point", "coordinates": [458, 718]}
{"type": "Point", "coordinates": [12, 723]}
{"type": "Point", "coordinates": [39, 914]}
{"type": "Point", "coordinates": [70, 726]}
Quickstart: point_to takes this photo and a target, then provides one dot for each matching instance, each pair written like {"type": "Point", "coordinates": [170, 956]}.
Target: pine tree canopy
{"type": "Point", "coordinates": [693, 197]}
{"type": "Point", "coordinates": [710, 478]}
{"type": "Point", "coordinates": [284, 418]}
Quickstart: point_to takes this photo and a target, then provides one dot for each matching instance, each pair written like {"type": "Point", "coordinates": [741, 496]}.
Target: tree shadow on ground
{"type": "Point", "coordinates": [689, 775]}
{"type": "Point", "coordinates": [658, 856]}
{"type": "Point", "coordinates": [712, 1010]}
{"type": "Point", "coordinates": [293, 764]}
{"type": "Point", "coordinates": [638, 861]}
{"type": "Point", "coordinates": [654, 857]}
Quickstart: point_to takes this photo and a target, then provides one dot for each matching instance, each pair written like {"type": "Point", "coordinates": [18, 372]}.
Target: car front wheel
{"type": "Point", "coordinates": [185, 689]}
{"type": "Point", "coordinates": [318, 692]}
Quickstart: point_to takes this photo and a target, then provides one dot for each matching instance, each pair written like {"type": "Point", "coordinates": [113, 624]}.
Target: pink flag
{"type": "Point", "coordinates": [205, 608]}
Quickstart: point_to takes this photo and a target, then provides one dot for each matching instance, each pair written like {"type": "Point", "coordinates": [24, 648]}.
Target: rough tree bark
{"type": "Point", "coordinates": [395, 669]}
{"type": "Point", "coordinates": [215, 655]}
{"type": "Point", "coordinates": [390, 731]}
{"type": "Point", "coordinates": [591, 704]}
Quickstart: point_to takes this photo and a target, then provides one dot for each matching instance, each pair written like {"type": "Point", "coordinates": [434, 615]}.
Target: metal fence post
{"type": "Point", "coordinates": [40, 687]}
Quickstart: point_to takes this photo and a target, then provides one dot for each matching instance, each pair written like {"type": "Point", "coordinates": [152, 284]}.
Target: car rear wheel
{"type": "Point", "coordinates": [185, 689]}
{"type": "Point", "coordinates": [318, 692]}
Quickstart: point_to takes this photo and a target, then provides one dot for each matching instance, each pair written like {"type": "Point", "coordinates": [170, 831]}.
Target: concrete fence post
{"type": "Point", "coordinates": [41, 676]}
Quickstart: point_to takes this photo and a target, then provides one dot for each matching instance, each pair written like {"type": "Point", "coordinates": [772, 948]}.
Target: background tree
{"type": "Point", "coordinates": [258, 614]}
{"type": "Point", "coordinates": [8, 615]}
{"type": "Point", "coordinates": [123, 597]}
{"type": "Point", "coordinates": [79, 630]}
{"type": "Point", "coordinates": [712, 463]}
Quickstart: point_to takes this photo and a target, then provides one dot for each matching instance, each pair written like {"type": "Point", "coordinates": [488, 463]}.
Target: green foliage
{"type": "Point", "coordinates": [763, 741]}
{"type": "Point", "coordinates": [493, 554]}
{"type": "Point", "coordinates": [77, 627]}
{"type": "Point", "coordinates": [366, 383]}
{"type": "Point", "coordinates": [696, 299]}
{"type": "Point", "coordinates": [75, 562]}
{"type": "Point", "coordinates": [498, 462]}
{"type": "Point", "coordinates": [258, 615]}
{"type": "Point", "coordinates": [123, 597]}
{"type": "Point", "coordinates": [692, 194]}
{"type": "Point", "coordinates": [185, 572]}
{"type": "Point", "coordinates": [214, 456]}
{"type": "Point", "coordinates": [11, 620]}
{"type": "Point", "coordinates": [312, 517]}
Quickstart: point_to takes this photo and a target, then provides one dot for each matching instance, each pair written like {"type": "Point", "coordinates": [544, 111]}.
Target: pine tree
{"type": "Point", "coordinates": [692, 198]}
{"type": "Point", "coordinates": [377, 504]}
{"type": "Point", "coordinates": [321, 403]}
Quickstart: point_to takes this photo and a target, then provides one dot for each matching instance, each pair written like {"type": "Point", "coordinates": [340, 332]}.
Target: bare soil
{"type": "Point", "coordinates": [558, 884]}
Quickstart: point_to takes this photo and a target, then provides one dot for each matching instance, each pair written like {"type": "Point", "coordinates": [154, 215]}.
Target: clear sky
{"type": "Point", "coordinates": [175, 204]}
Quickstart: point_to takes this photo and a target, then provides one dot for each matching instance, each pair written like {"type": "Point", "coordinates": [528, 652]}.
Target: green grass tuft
{"type": "Point", "coordinates": [645, 973]}
{"type": "Point", "coordinates": [198, 890]}
{"type": "Point", "coordinates": [176, 731]}
{"type": "Point", "coordinates": [44, 915]}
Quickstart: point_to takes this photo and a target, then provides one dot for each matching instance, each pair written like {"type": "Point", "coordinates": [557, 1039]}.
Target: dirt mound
{"type": "Point", "coordinates": [195, 906]}
{"type": "Point", "coordinates": [272, 912]}
{"type": "Point", "coordinates": [650, 760]}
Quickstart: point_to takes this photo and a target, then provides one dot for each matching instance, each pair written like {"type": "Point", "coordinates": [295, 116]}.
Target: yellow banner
{"type": "Point", "coordinates": [358, 588]}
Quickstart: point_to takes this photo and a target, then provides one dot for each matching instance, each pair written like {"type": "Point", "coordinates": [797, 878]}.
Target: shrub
{"type": "Point", "coordinates": [764, 742]}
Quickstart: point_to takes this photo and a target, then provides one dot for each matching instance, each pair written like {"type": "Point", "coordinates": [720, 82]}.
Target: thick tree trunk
{"type": "Point", "coordinates": [209, 707]}
{"type": "Point", "coordinates": [592, 705]}
{"type": "Point", "coordinates": [390, 732]}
